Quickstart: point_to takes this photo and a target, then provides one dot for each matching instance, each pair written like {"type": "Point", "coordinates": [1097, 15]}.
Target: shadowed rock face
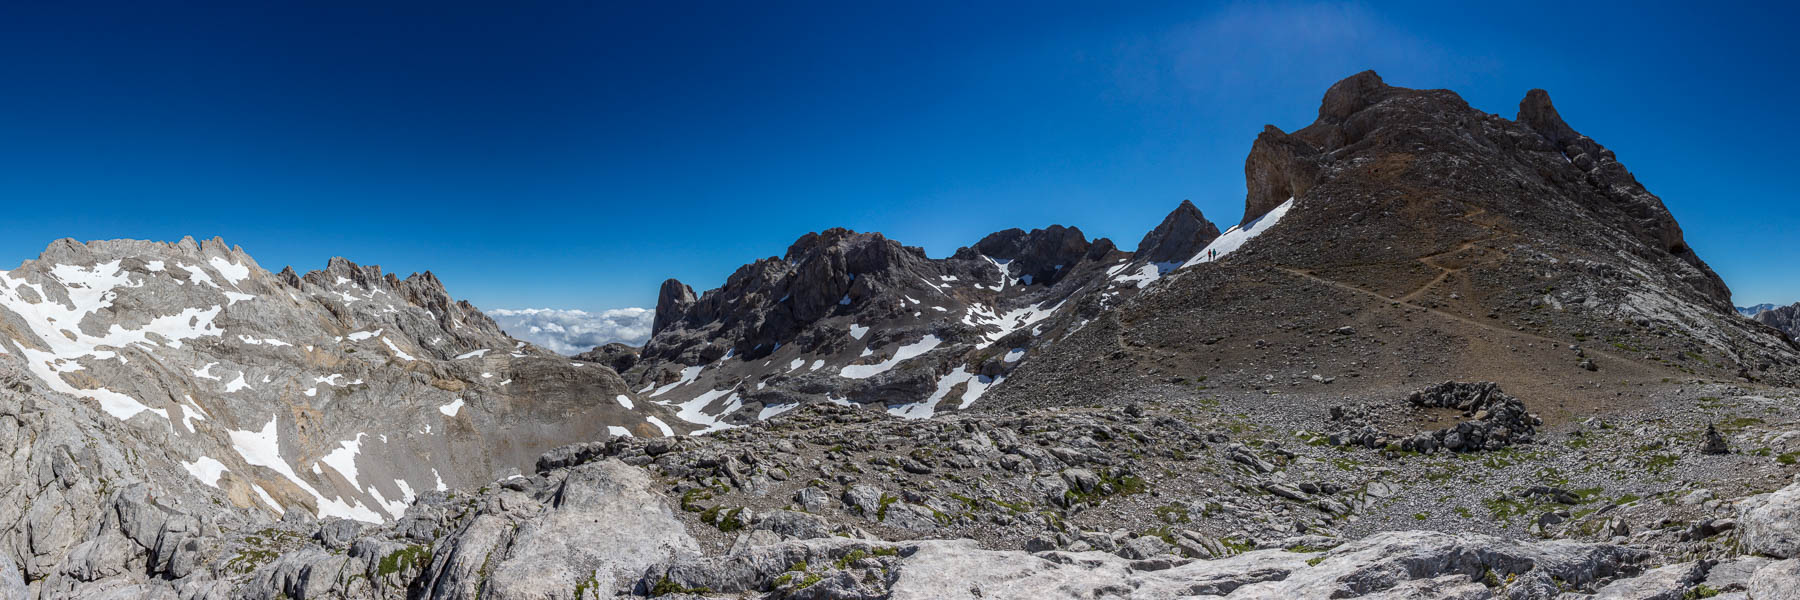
{"type": "Point", "coordinates": [856, 317]}
{"type": "Point", "coordinates": [1280, 167]}
{"type": "Point", "coordinates": [1042, 254]}
{"type": "Point", "coordinates": [673, 299]}
{"type": "Point", "coordinates": [1646, 217]}
{"type": "Point", "coordinates": [1181, 234]}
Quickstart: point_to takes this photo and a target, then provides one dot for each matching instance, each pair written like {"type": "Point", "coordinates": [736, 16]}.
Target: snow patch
{"type": "Point", "coordinates": [688, 375]}
{"type": "Point", "coordinates": [775, 409]}
{"type": "Point", "coordinates": [1235, 237]}
{"type": "Point", "coordinates": [263, 449]}
{"type": "Point", "coordinates": [974, 386]}
{"type": "Point", "coordinates": [206, 469]}
{"type": "Point", "coordinates": [398, 353]}
{"type": "Point", "coordinates": [232, 272]}
{"type": "Point", "coordinates": [905, 352]}
{"type": "Point", "coordinates": [343, 460]}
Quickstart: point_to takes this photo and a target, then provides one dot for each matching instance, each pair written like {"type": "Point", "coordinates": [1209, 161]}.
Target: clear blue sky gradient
{"type": "Point", "coordinates": [573, 155]}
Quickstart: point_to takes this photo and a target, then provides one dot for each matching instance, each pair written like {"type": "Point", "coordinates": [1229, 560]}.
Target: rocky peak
{"type": "Point", "coordinates": [1536, 112]}
{"type": "Point", "coordinates": [1042, 254]}
{"type": "Point", "coordinates": [1181, 234]}
{"type": "Point", "coordinates": [1647, 218]}
{"type": "Point", "coordinates": [423, 290]}
{"type": "Point", "coordinates": [1351, 95]}
{"type": "Point", "coordinates": [672, 300]}
{"type": "Point", "coordinates": [1283, 165]}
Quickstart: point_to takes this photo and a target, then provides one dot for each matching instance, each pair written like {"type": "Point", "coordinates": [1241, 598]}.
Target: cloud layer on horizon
{"type": "Point", "coordinates": [571, 332]}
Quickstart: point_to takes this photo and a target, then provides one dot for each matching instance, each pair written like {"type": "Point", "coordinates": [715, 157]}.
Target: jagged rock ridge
{"type": "Point", "coordinates": [341, 392]}
{"type": "Point", "coordinates": [857, 318]}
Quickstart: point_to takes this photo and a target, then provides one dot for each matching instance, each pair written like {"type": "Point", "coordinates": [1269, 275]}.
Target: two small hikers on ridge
{"type": "Point", "coordinates": [1212, 255]}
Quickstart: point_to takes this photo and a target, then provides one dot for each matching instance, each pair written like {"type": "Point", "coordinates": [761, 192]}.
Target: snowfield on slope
{"type": "Point", "coordinates": [1235, 237]}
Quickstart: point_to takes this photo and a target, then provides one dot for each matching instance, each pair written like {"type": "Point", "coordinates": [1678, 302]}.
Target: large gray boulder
{"type": "Point", "coordinates": [1777, 581]}
{"type": "Point", "coordinates": [1771, 523]}
{"type": "Point", "coordinates": [599, 526]}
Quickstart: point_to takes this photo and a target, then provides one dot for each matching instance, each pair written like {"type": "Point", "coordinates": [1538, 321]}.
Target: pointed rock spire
{"type": "Point", "coordinates": [1352, 94]}
{"type": "Point", "coordinates": [671, 302]}
{"type": "Point", "coordinates": [1181, 234]}
{"type": "Point", "coordinates": [1536, 112]}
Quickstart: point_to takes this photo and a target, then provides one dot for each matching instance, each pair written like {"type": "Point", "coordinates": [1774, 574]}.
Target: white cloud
{"type": "Point", "coordinates": [571, 332]}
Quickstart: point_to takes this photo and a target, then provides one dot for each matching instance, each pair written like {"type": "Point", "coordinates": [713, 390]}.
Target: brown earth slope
{"type": "Point", "coordinates": [1427, 241]}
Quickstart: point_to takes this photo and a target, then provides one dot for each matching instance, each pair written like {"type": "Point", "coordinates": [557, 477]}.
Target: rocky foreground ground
{"type": "Point", "coordinates": [1209, 495]}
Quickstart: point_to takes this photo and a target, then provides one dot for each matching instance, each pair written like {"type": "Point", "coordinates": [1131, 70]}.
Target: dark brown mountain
{"type": "Point", "coordinates": [1418, 239]}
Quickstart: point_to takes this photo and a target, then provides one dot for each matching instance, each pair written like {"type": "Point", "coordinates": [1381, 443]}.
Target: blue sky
{"type": "Point", "coordinates": [573, 155]}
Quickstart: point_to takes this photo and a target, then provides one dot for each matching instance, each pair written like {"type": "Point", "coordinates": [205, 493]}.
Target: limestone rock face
{"type": "Point", "coordinates": [154, 394]}
{"type": "Point", "coordinates": [1409, 564]}
{"type": "Point", "coordinates": [1771, 523]}
{"type": "Point", "coordinates": [11, 584]}
{"type": "Point", "coordinates": [1778, 581]}
{"type": "Point", "coordinates": [1043, 254]}
{"type": "Point", "coordinates": [1784, 318]}
{"type": "Point", "coordinates": [600, 524]}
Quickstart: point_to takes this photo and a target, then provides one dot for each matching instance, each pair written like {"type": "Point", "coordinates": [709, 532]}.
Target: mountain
{"type": "Point", "coordinates": [1751, 311]}
{"type": "Point", "coordinates": [1784, 318]}
{"type": "Point", "coordinates": [1443, 354]}
{"type": "Point", "coordinates": [1400, 211]}
{"type": "Point", "coordinates": [1419, 240]}
{"type": "Point", "coordinates": [342, 392]}
{"type": "Point", "coordinates": [856, 318]}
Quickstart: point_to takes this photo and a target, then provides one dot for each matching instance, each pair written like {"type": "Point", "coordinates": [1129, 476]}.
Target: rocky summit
{"type": "Point", "coordinates": [1443, 354]}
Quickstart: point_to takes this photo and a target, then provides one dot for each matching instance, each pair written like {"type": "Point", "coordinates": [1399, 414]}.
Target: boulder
{"type": "Point", "coordinates": [1776, 581]}
{"type": "Point", "coordinates": [1771, 523]}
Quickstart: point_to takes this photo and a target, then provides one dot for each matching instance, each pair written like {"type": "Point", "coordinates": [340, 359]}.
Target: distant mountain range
{"type": "Point", "coordinates": [1750, 311]}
